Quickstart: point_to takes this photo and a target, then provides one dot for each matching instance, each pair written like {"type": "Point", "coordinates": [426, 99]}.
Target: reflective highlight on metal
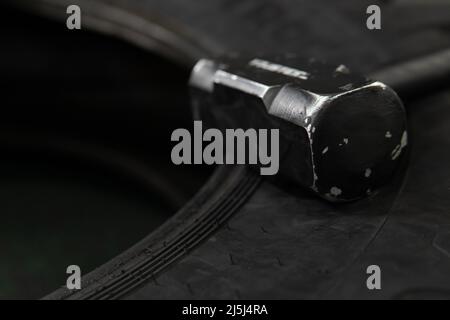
{"type": "Point", "coordinates": [342, 135]}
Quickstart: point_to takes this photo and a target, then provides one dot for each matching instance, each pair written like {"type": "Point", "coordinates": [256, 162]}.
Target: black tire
{"type": "Point", "coordinates": [243, 238]}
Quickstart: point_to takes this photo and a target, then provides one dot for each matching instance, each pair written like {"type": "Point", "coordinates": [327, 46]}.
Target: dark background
{"type": "Point", "coordinates": [68, 106]}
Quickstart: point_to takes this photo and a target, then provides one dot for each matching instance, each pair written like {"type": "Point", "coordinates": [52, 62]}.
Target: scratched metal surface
{"type": "Point", "coordinates": [284, 243]}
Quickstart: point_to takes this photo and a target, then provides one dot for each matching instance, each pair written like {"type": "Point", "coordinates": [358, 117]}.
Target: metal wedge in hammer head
{"type": "Point", "coordinates": [341, 134]}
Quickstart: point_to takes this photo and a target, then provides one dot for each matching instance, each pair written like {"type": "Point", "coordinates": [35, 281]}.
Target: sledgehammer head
{"type": "Point", "coordinates": [342, 135]}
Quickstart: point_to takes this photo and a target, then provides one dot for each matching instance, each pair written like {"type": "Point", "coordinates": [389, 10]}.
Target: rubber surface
{"type": "Point", "coordinates": [280, 242]}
